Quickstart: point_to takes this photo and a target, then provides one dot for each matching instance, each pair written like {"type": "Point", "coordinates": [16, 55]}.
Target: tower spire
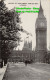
{"type": "Point", "coordinates": [40, 2]}
{"type": "Point", "coordinates": [40, 14]}
{"type": "Point", "coordinates": [40, 9]}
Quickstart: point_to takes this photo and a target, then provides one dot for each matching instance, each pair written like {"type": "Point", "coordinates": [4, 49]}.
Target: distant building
{"type": "Point", "coordinates": [27, 45]}
{"type": "Point", "coordinates": [41, 36]}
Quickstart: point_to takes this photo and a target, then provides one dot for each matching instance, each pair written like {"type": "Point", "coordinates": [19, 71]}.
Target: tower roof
{"type": "Point", "coordinates": [40, 9]}
{"type": "Point", "coordinates": [40, 14]}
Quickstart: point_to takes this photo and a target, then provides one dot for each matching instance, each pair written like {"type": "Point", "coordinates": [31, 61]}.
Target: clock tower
{"type": "Point", "coordinates": [41, 36]}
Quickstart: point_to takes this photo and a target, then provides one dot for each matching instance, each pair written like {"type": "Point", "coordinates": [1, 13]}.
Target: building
{"type": "Point", "coordinates": [48, 57]}
{"type": "Point", "coordinates": [25, 54]}
{"type": "Point", "coordinates": [21, 56]}
{"type": "Point", "coordinates": [41, 36]}
{"type": "Point", "coordinates": [27, 45]}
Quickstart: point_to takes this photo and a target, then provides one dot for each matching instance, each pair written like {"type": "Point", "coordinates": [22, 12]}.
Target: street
{"type": "Point", "coordinates": [19, 71]}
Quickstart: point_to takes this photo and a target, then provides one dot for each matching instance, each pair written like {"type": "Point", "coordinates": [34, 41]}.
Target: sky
{"type": "Point", "coordinates": [28, 19]}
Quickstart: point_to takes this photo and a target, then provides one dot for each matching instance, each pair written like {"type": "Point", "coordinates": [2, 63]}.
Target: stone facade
{"type": "Point", "coordinates": [27, 46]}
{"type": "Point", "coordinates": [21, 56]}
{"type": "Point", "coordinates": [41, 36]}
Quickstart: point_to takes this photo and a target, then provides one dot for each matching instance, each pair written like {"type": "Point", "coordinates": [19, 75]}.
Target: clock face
{"type": "Point", "coordinates": [41, 24]}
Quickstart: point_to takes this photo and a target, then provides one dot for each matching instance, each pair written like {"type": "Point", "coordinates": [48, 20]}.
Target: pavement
{"type": "Point", "coordinates": [2, 72]}
{"type": "Point", "coordinates": [35, 71]}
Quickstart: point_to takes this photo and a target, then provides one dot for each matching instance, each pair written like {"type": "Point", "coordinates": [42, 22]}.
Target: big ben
{"type": "Point", "coordinates": [41, 36]}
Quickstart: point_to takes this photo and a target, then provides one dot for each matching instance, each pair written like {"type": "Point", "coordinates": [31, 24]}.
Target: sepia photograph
{"type": "Point", "coordinates": [24, 39]}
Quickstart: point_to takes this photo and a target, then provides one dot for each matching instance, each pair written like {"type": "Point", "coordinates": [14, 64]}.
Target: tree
{"type": "Point", "coordinates": [9, 27]}
{"type": "Point", "coordinates": [3, 9]}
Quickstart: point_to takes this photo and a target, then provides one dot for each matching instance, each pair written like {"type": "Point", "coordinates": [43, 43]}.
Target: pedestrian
{"type": "Point", "coordinates": [25, 63]}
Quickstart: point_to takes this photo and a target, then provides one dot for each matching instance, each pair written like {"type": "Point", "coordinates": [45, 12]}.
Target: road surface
{"type": "Point", "coordinates": [18, 71]}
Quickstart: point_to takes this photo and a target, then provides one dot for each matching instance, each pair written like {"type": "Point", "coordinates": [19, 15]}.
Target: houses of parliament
{"type": "Point", "coordinates": [39, 55]}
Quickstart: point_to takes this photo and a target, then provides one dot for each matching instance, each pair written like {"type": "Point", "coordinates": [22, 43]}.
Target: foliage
{"type": "Point", "coordinates": [9, 27]}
